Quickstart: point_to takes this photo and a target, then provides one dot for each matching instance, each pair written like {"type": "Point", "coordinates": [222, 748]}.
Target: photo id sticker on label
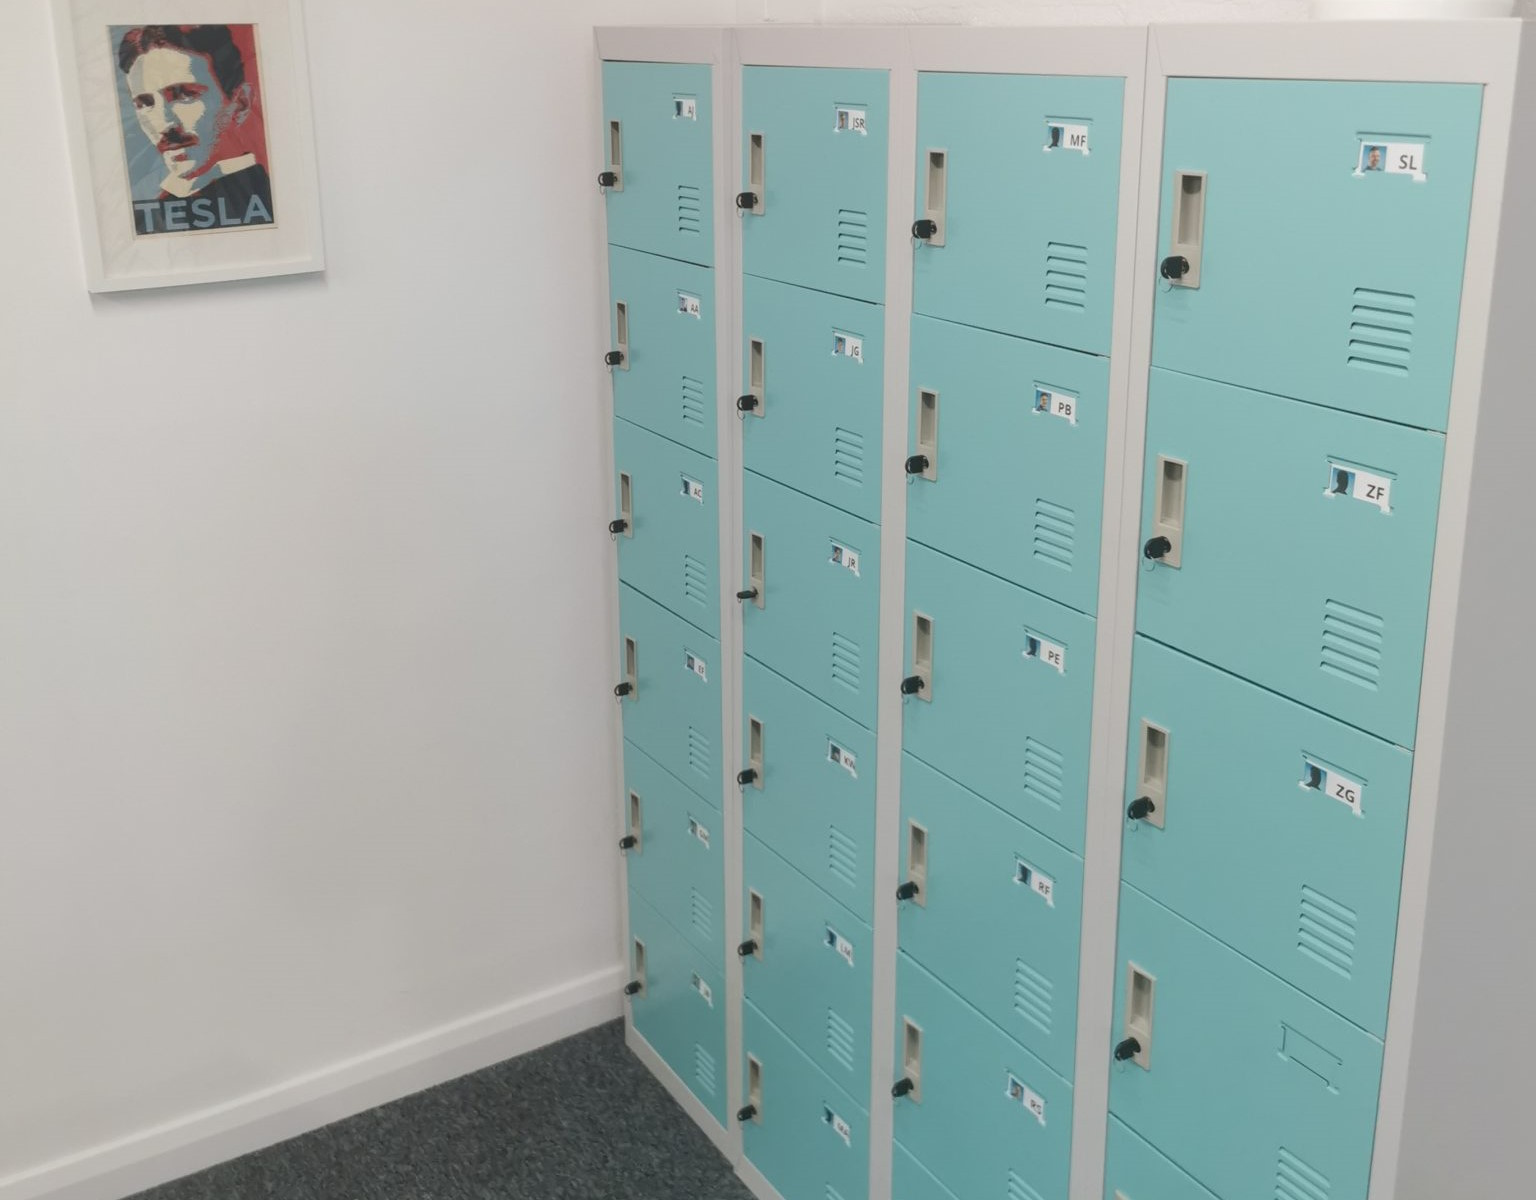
{"type": "Point", "coordinates": [1042, 885]}
{"type": "Point", "coordinates": [703, 990]}
{"type": "Point", "coordinates": [699, 832]}
{"type": "Point", "coordinates": [1373, 489]}
{"type": "Point", "coordinates": [839, 1126]}
{"type": "Point", "coordinates": [1063, 135]}
{"type": "Point", "coordinates": [1391, 158]}
{"type": "Point", "coordinates": [839, 757]}
{"type": "Point", "coordinates": [1049, 653]}
{"type": "Point", "coordinates": [841, 944]}
{"type": "Point", "coordinates": [1052, 402]}
{"type": "Point", "coordinates": [690, 306]}
{"type": "Point", "coordinates": [1319, 777]}
{"type": "Point", "coordinates": [695, 664]}
{"type": "Point", "coordinates": [847, 345]}
{"type": "Point", "coordinates": [685, 108]}
{"type": "Point", "coordinates": [1020, 1093]}
{"type": "Point", "coordinates": [851, 120]}
{"type": "Point", "coordinates": [846, 557]}
{"type": "Point", "coordinates": [693, 489]}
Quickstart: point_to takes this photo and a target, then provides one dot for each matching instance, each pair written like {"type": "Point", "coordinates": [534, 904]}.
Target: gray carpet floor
{"type": "Point", "coordinates": [578, 1120]}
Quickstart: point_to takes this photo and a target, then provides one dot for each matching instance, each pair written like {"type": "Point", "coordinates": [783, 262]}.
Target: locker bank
{"type": "Point", "coordinates": [1070, 525]}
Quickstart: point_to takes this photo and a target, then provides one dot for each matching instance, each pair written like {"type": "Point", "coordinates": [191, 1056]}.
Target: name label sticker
{"type": "Point", "coordinates": [701, 835]}
{"type": "Point", "coordinates": [1053, 403]}
{"type": "Point", "coordinates": [693, 489]}
{"type": "Point", "coordinates": [685, 108]}
{"type": "Point", "coordinates": [1042, 885]}
{"type": "Point", "coordinates": [1358, 484]}
{"type": "Point", "coordinates": [844, 556]}
{"type": "Point", "coordinates": [1064, 135]}
{"type": "Point", "coordinates": [847, 345]}
{"type": "Point", "coordinates": [838, 1126]}
{"type": "Point", "coordinates": [1021, 1093]}
{"type": "Point", "coordinates": [1318, 776]}
{"type": "Point", "coordinates": [1049, 653]}
{"type": "Point", "coordinates": [851, 120]}
{"type": "Point", "coordinates": [839, 757]}
{"type": "Point", "coordinates": [695, 664]}
{"type": "Point", "coordinates": [704, 990]}
{"type": "Point", "coordinates": [841, 944]}
{"type": "Point", "coordinates": [1391, 158]}
{"type": "Point", "coordinates": [690, 306]}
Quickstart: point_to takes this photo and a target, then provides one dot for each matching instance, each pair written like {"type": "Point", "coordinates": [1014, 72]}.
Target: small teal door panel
{"type": "Point", "coordinates": [813, 800]}
{"type": "Point", "coordinates": [665, 204]}
{"type": "Point", "coordinates": [1001, 717]}
{"type": "Point", "coordinates": [999, 916]}
{"type": "Point", "coordinates": [913, 1181]}
{"type": "Point", "coordinates": [821, 400]}
{"type": "Point", "coordinates": [810, 1138]}
{"type": "Point", "coordinates": [1282, 829]}
{"type": "Point", "coordinates": [811, 972]}
{"type": "Point", "coordinates": [989, 1119]}
{"type": "Point", "coordinates": [1321, 276]}
{"type": "Point", "coordinates": [1251, 1087]}
{"type": "Point", "coordinates": [1014, 490]}
{"type": "Point", "coordinates": [818, 623]}
{"type": "Point", "coordinates": [671, 549]}
{"type": "Point", "coordinates": [681, 1011]}
{"type": "Point", "coordinates": [677, 863]}
{"type": "Point", "coordinates": [1315, 594]}
{"type": "Point", "coordinates": [1031, 169]}
{"type": "Point", "coordinates": [1133, 1170]}
{"type": "Point", "coordinates": [666, 382]}
{"type": "Point", "coordinates": [672, 711]}
{"type": "Point", "coordinates": [823, 135]}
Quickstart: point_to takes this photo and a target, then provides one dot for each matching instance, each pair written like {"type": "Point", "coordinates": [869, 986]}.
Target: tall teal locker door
{"type": "Point", "coordinates": [669, 531]}
{"type": "Point", "coordinates": [815, 572]}
{"type": "Point", "coordinates": [669, 691]}
{"type": "Point", "coordinates": [680, 1006]}
{"type": "Point", "coordinates": [677, 861]}
{"type": "Point", "coordinates": [806, 964]}
{"type": "Point", "coordinates": [1304, 540]}
{"type": "Point", "coordinates": [1006, 440]}
{"type": "Point", "coordinates": [806, 1135]}
{"type": "Point", "coordinates": [1252, 1087]}
{"type": "Point", "coordinates": [658, 139]}
{"type": "Point", "coordinates": [1276, 829]}
{"type": "Point", "coordinates": [1021, 176]}
{"type": "Point", "coordinates": [809, 793]}
{"type": "Point", "coordinates": [1006, 703]}
{"type": "Point", "coordinates": [1133, 1170]}
{"type": "Point", "coordinates": [813, 177]}
{"type": "Point", "coordinates": [997, 914]}
{"type": "Point", "coordinates": [813, 367]}
{"type": "Point", "coordinates": [984, 1115]}
{"type": "Point", "coordinates": [661, 322]}
{"type": "Point", "coordinates": [1324, 228]}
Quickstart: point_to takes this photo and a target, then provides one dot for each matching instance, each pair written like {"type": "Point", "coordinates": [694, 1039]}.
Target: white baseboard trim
{"type": "Point", "coordinates": [215, 1135]}
{"type": "Point", "coordinates": [677, 1089]}
{"type": "Point", "coordinates": [757, 1183]}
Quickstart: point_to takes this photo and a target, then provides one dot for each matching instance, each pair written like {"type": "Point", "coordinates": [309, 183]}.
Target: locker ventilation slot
{"type": "Point", "coordinates": [1044, 770]}
{"type": "Point", "coordinates": [842, 857]}
{"type": "Point", "coordinates": [1352, 641]}
{"type": "Point", "coordinates": [698, 753]}
{"type": "Point", "coordinates": [690, 209]}
{"type": "Point", "coordinates": [846, 662]}
{"type": "Point", "coordinates": [1294, 1180]}
{"type": "Point", "coordinates": [695, 580]}
{"type": "Point", "coordinates": [703, 917]}
{"type": "Point", "coordinates": [1055, 534]}
{"type": "Point", "coordinates": [1066, 276]}
{"type": "Point", "coordinates": [693, 402]}
{"type": "Point", "coordinates": [1032, 996]}
{"type": "Point", "coordinates": [1327, 931]}
{"type": "Point", "coordinates": [704, 1068]}
{"type": "Point", "coordinates": [852, 237]}
{"type": "Point", "coordinates": [1381, 331]}
{"type": "Point", "coordinates": [840, 1040]}
{"type": "Point", "coordinates": [833, 1193]}
{"type": "Point", "coordinates": [848, 457]}
{"type": "Point", "coordinates": [1019, 1190]}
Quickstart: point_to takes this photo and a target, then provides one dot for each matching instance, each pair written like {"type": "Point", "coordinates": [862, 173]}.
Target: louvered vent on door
{"type": "Point", "coordinates": [704, 1071]}
{"type": "Point", "coordinates": [1352, 644]}
{"type": "Point", "coordinates": [1032, 993]}
{"type": "Point", "coordinates": [695, 581]}
{"type": "Point", "coordinates": [1044, 772]}
{"type": "Point", "coordinates": [852, 237]}
{"type": "Point", "coordinates": [1381, 331]}
{"type": "Point", "coordinates": [840, 1040]}
{"type": "Point", "coordinates": [693, 402]}
{"type": "Point", "coordinates": [698, 753]}
{"type": "Point", "coordinates": [1019, 1190]}
{"type": "Point", "coordinates": [847, 662]}
{"type": "Point", "coordinates": [842, 856]}
{"type": "Point", "coordinates": [848, 456]}
{"type": "Point", "coordinates": [1326, 931]}
{"type": "Point", "coordinates": [1066, 276]}
{"type": "Point", "coordinates": [1295, 1180]}
{"type": "Point", "coordinates": [690, 209]}
{"type": "Point", "coordinates": [702, 915]}
{"type": "Point", "coordinates": [1055, 534]}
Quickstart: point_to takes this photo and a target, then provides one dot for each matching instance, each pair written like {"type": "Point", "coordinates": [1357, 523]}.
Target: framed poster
{"type": "Point", "coordinates": [191, 139]}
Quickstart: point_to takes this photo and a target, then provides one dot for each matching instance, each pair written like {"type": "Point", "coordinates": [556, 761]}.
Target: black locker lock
{"type": "Point", "coordinates": [745, 777]}
{"type": "Point", "coordinates": [623, 689]}
{"type": "Point", "coordinates": [911, 685]}
{"type": "Point", "coordinates": [1175, 266]}
{"type": "Point", "coordinates": [917, 464]}
{"type": "Point", "coordinates": [1141, 808]}
{"type": "Point", "coordinates": [747, 403]}
{"type": "Point", "coordinates": [746, 200]}
{"type": "Point", "coordinates": [746, 1114]}
{"type": "Point", "coordinates": [608, 179]}
{"type": "Point", "coordinates": [1127, 1050]}
{"type": "Point", "coordinates": [1156, 548]}
{"type": "Point", "coordinates": [632, 988]}
{"type": "Point", "coordinates": [747, 949]}
{"type": "Point", "coordinates": [907, 891]}
{"type": "Point", "coordinates": [902, 1087]}
{"type": "Point", "coordinates": [613, 358]}
{"type": "Point", "coordinates": [748, 594]}
{"type": "Point", "coordinates": [628, 842]}
{"type": "Point", "coordinates": [924, 229]}
{"type": "Point", "coordinates": [618, 526]}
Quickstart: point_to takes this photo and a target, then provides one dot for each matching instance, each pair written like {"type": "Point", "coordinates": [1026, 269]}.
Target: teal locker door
{"type": "Point", "coordinates": [676, 862]}
{"type": "Point", "coordinates": [1307, 538]}
{"type": "Point", "coordinates": [1133, 1170]}
{"type": "Point", "coordinates": [1008, 706]}
{"type": "Point", "coordinates": [1281, 829]}
{"type": "Point", "coordinates": [987, 1118]}
{"type": "Point", "coordinates": [669, 546]}
{"type": "Point", "coordinates": [1013, 436]}
{"type": "Point", "coordinates": [659, 119]}
{"type": "Point", "coordinates": [811, 795]}
{"type": "Point", "coordinates": [910, 1180]}
{"type": "Point", "coordinates": [680, 1009]}
{"type": "Point", "coordinates": [661, 320]}
{"type": "Point", "coordinates": [814, 146]}
{"type": "Point", "coordinates": [1250, 1086]}
{"type": "Point", "coordinates": [815, 619]}
{"type": "Point", "coordinates": [807, 967]}
{"type": "Point", "coordinates": [1028, 168]}
{"type": "Point", "coordinates": [998, 915]}
{"type": "Point", "coordinates": [807, 1136]}
{"type": "Point", "coordinates": [669, 673]}
{"type": "Point", "coordinates": [1325, 272]}
{"type": "Point", "coordinates": [813, 363]}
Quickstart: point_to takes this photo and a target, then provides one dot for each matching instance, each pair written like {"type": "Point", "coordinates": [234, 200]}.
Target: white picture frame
{"type": "Point", "coordinates": [137, 232]}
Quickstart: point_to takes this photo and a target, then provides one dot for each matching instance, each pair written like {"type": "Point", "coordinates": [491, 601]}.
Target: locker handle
{"type": "Point", "coordinates": [1127, 1050]}
{"type": "Point", "coordinates": [1141, 808]}
{"type": "Point", "coordinates": [751, 200]}
{"type": "Point", "coordinates": [625, 523]}
{"type": "Point", "coordinates": [613, 177]}
{"type": "Point", "coordinates": [929, 228]}
{"type": "Point", "coordinates": [1182, 266]}
{"type": "Point", "coordinates": [917, 866]}
{"type": "Point", "coordinates": [1169, 500]}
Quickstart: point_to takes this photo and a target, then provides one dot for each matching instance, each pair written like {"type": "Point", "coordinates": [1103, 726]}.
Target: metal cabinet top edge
{"type": "Point", "coordinates": [879, 46]}
{"type": "Point", "coordinates": [662, 43]}
{"type": "Point", "coordinates": [1117, 50]}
